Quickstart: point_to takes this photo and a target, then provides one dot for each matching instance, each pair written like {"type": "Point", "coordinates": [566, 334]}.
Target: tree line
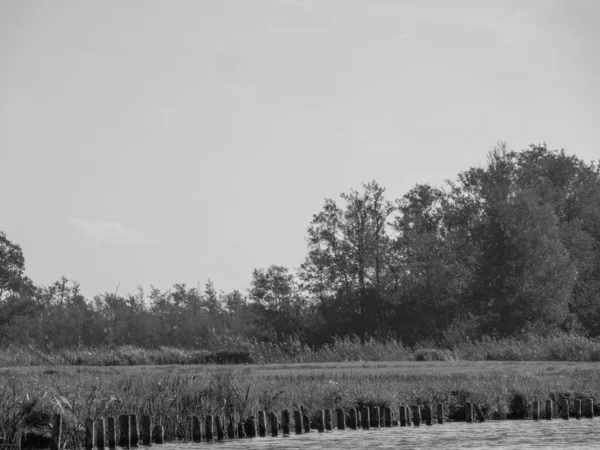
{"type": "Point", "coordinates": [507, 248]}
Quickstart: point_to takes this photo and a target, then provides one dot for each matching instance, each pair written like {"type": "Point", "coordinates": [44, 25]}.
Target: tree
{"type": "Point", "coordinates": [12, 268]}
{"type": "Point", "coordinates": [278, 303]}
{"type": "Point", "coordinates": [348, 267]}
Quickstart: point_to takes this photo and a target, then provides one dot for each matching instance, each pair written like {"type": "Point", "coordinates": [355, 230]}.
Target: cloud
{"type": "Point", "coordinates": [101, 230]}
{"type": "Point", "coordinates": [399, 38]}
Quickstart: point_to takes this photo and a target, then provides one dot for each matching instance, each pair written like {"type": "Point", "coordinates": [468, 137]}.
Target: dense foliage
{"type": "Point", "coordinates": [509, 248]}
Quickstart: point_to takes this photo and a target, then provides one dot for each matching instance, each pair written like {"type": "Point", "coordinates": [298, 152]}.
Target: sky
{"type": "Point", "coordinates": [153, 142]}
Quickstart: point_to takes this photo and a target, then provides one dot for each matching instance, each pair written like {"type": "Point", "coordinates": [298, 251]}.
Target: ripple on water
{"type": "Point", "coordinates": [524, 434]}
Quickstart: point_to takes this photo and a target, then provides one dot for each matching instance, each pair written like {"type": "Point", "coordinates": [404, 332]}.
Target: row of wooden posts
{"type": "Point", "coordinates": [101, 434]}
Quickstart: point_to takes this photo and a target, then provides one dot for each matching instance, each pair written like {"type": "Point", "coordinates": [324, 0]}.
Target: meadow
{"type": "Point", "coordinates": [171, 393]}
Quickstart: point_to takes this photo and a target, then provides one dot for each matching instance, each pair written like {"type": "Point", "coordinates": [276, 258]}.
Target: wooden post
{"type": "Point", "coordinates": [56, 432]}
{"type": "Point", "coordinates": [341, 419]}
{"type": "Point", "coordinates": [536, 410]}
{"type": "Point", "coordinates": [100, 433]}
{"type": "Point", "coordinates": [387, 416]}
{"type": "Point", "coordinates": [262, 424]}
{"type": "Point", "coordinates": [365, 419]}
{"type": "Point", "coordinates": [408, 415]}
{"type": "Point", "coordinates": [320, 421]}
{"type": "Point", "coordinates": [134, 431]}
{"type": "Point", "coordinates": [146, 430]}
{"type": "Point", "coordinates": [298, 422]}
{"type": "Point", "coordinates": [209, 426]}
{"type": "Point", "coordinates": [305, 423]}
{"type": "Point", "coordinates": [469, 412]}
{"type": "Point", "coordinates": [241, 430]}
{"type": "Point", "coordinates": [440, 413]}
{"type": "Point", "coordinates": [112, 432]}
{"type": "Point", "coordinates": [416, 410]}
{"type": "Point", "coordinates": [158, 434]}
{"type": "Point", "coordinates": [353, 419]}
{"type": "Point", "coordinates": [274, 424]}
{"type": "Point", "coordinates": [403, 416]}
{"type": "Point", "coordinates": [196, 429]}
{"type": "Point", "coordinates": [328, 424]}
{"type": "Point", "coordinates": [549, 409]}
{"type": "Point", "coordinates": [124, 436]}
{"type": "Point", "coordinates": [428, 413]}
{"type": "Point", "coordinates": [577, 408]}
{"type": "Point", "coordinates": [231, 427]}
{"type": "Point", "coordinates": [90, 435]}
{"type": "Point", "coordinates": [565, 408]}
{"type": "Point", "coordinates": [219, 425]}
{"type": "Point", "coordinates": [588, 408]}
{"type": "Point", "coordinates": [285, 421]}
{"type": "Point", "coordinates": [375, 416]}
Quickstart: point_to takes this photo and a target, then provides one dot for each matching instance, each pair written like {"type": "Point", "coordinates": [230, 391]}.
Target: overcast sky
{"type": "Point", "coordinates": [155, 142]}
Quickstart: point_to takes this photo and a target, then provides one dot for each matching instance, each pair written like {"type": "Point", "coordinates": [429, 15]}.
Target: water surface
{"type": "Point", "coordinates": [521, 434]}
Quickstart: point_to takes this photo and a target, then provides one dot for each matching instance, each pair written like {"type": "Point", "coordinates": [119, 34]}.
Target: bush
{"type": "Point", "coordinates": [230, 358]}
{"type": "Point", "coordinates": [430, 354]}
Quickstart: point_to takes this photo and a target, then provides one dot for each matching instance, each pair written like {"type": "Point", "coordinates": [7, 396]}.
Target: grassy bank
{"type": "Point", "coordinates": [28, 396]}
{"type": "Point", "coordinates": [556, 347]}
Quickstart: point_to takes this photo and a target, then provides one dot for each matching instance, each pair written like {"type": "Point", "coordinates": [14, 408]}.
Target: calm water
{"type": "Point", "coordinates": [525, 434]}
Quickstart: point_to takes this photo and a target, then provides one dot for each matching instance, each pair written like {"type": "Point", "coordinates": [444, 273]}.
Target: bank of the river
{"type": "Point", "coordinates": [28, 396]}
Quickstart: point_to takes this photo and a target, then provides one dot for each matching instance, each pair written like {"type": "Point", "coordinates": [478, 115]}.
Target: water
{"type": "Point", "coordinates": [523, 434]}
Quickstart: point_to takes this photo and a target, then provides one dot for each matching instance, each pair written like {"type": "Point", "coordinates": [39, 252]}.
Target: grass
{"type": "Point", "coordinates": [28, 396]}
{"type": "Point", "coordinates": [559, 346]}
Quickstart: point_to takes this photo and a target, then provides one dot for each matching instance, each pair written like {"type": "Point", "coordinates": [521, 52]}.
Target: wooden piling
{"type": "Point", "coordinates": [55, 443]}
{"type": "Point", "coordinates": [469, 412]}
{"type": "Point", "coordinates": [262, 424]}
{"type": "Point", "coordinates": [564, 409]}
{"type": "Point", "coordinates": [588, 408]}
{"type": "Point", "coordinates": [341, 419]}
{"type": "Point", "coordinates": [440, 413]}
{"type": "Point", "coordinates": [285, 421]}
{"type": "Point", "coordinates": [274, 424]}
{"type": "Point", "coordinates": [158, 434]}
{"type": "Point", "coordinates": [548, 411]}
{"type": "Point", "coordinates": [111, 432]}
{"type": "Point", "coordinates": [353, 419]}
{"type": "Point", "coordinates": [134, 433]}
{"type": "Point", "coordinates": [428, 415]}
{"type": "Point", "coordinates": [408, 415]}
{"type": "Point", "coordinates": [219, 426]}
{"type": "Point", "coordinates": [146, 429]}
{"type": "Point", "coordinates": [375, 416]}
{"type": "Point", "coordinates": [209, 427]}
{"type": "Point", "coordinates": [320, 421]}
{"type": "Point", "coordinates": [241, 430]}
{"type": "Point", "coordinates": [124, 436]}
{"type": "Point", "coordinates": [90, 434]}
{"type": "Point", "coordinates": [536, 410]}
{"type": "Point", "coordinates": [403, 416]}
{"type": "Point", "coordinates": [196, 429]}
{"type": "Point", "coordinates": [305, 422]}
{"type": "Point", "coordinates": [387, 416]}
{"type": "Point", "coordinates": [251, 427]}
{"type": "Point", "coordinates": [298, 422]}
{"type": "Point", "coordinates": [231, 427]}
{"type": "Point", "coordinates": [416, 412]}
{"type": "Point", "coordinates": [365, 422]}
{"type": "Point", "coordinates": [577, 412]}
{"type": "Point", "coordinates": [328, 420]}
{"type": "Point", "coordinates": [100, 443]}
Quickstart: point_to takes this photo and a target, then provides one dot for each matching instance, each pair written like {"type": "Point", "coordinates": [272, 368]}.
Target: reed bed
{"type": "Point", "coordinates": [28, 397]}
